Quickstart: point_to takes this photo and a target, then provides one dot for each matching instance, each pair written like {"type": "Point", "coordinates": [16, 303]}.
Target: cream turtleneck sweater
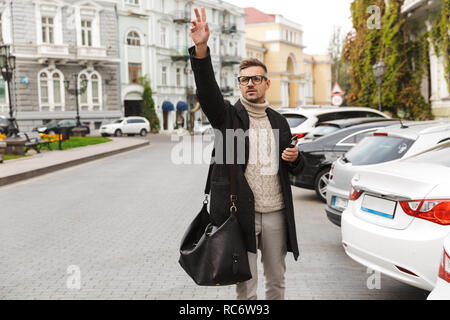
{"type": "Point", "coordinates": [262, 168]}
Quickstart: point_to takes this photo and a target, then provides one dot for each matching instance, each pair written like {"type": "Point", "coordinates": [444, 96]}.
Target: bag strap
{"type": "Point", "coordinates": [233, 172]}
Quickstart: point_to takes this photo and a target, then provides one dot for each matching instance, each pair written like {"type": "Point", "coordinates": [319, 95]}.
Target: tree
{"type": "Point", "coordinates": [340, 69]}
{"type": "Point", "coordinates": [148, 105]}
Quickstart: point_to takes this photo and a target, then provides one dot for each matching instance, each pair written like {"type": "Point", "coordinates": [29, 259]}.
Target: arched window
{"type": "Point", "coordinates": [51, 90]}
{"type": "Point", "coordinates": [133, 39]}
{"type": "Point", "coordinates": [91, 99]}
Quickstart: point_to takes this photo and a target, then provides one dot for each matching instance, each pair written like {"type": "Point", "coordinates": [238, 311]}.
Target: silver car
{"type": "Point", "coordinates": [388, 144]}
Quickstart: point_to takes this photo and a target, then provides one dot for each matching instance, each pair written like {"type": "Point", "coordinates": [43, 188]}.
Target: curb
{"type": "Point", "coordinates": [38, 172]}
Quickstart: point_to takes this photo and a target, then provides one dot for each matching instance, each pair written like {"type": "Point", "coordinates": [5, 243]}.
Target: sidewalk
{"type": "Point", "coordinates": [49, 161]}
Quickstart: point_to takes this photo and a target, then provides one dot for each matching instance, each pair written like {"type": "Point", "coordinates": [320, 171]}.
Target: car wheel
{"type": "Point", "coordinates": [320, 184]}
{"type": "Point", "coordinates": [105, 134]}
{"type": "Point", "coordinates": [118, 133]}
{"type": "Point", "coordinates": [143, 133]}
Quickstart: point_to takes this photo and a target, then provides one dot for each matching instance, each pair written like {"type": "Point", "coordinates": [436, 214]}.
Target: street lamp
{"type": "Point", "coordinates": [379, 70]}
{"type": "Point", "coordinates": [7, 66]}
{"type": "Point", "coordinates": [76, 92]}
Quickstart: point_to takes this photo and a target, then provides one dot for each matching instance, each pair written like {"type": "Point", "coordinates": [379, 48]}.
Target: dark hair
{"type": "Point", "coordinates": [252, 62]}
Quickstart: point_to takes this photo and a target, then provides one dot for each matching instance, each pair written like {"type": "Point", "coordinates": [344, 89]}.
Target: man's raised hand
{"type": "Point", "coordinates": [200, 33]}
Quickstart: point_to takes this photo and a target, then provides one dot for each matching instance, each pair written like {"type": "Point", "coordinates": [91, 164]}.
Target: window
{"type": "Point", "coordinates": [134, 72]}
{"type": "Point", "coordinates": [164, 76]}
{"type": "Point", "coordinates": [178, 77]}
{"type": "Point", "coordinates": [355, 138]}
{"type": "Point", "coordinates": [86, 33]}
{"type": "Point", "coordinates": [133, 39]}
{"type": "Point", "coordinates": [91, 99]}
{"type": "Point", "coordinates": [51, 90]}
{"type": "Point", "coordinates": [294, 120]}
{"type": "Point", "coordinates": [3, 100]}
{"type": "Point", "coordinates": [48, 32]}
{"type": "Point", "coordinates": [163, 36]}
{"type": "Point", "coordinates": [132, 2]}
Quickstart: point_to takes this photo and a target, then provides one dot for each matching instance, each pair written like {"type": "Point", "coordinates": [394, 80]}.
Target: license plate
{"type": "Point", "coordinates": [379, 206]}
{"type": "Point", "coordinates": [339, 203]}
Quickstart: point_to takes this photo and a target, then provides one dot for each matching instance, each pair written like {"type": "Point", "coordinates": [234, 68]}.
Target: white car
{"type": "Point", "coordinates": [127, 125]}
{"type": "Point", "coordinates": [398, 216]}
{"type": "Point", "coordinates": [442, 289]}
{"type": "Point", "coordinates": [203, 128]}
{"type": "Point", "coordinates": [304, 119]}
{"type": "Point", "coordinates": [389, 144]}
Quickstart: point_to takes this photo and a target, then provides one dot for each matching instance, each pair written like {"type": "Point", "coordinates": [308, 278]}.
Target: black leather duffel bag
{"type": "Point", "coordinates": [216, 255]}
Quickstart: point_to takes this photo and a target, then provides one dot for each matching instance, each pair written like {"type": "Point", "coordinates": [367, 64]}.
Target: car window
{"type": "Point", "coordinates": [378, 149]}
{"type": "Point", "coordinates": [330, 116]}
{"type": "Point", "coordinates": [118, 121]}
{"type": "Point", "coordinates": [355, 138]}
{"type": "Point", "coordinates": [439, 155]}
{"type": "Point", "coordinates": [321, 131]}
{"type": "Point", "coordinates": [140, 121]}
{"type": "Point", "coordinates": [294, 120]}
{"type": "Point", "coordinates": [3, 121]}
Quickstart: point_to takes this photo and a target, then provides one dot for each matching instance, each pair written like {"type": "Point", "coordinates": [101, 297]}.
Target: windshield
{"type": "Point", "coordinates": [52, 123]}
{"type": "Point", "coordinates": [439, 155]}
{"type": "Point", "coordinates": [294, 120]}
{"type": "Point", "coordinates": [378, 149]}
{"type": "Point", "coordinates": [321, 131]}
{"type": "Point", "coordinates": [118, 121]}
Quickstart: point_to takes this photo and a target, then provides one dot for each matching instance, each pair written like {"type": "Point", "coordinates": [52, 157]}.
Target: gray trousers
{"type": "Point", "coordinates": [271, 236]}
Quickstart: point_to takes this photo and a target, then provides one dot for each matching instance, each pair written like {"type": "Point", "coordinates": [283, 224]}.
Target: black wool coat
{"type": "Point", "coordinates": [221, 113]}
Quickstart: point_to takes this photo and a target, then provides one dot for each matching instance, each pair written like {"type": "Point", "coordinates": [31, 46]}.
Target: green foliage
{"type": "Point", "coordinates": [148, 105]}
{"type": "Point", "coordinates": [403, 50]}
{"type": "Point", "coordinates": [440, 35]}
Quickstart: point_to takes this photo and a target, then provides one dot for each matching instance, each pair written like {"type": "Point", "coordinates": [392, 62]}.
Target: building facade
{"type": "Point", "coordinates": [435, 87]}
{"type": "Point", "coordinates": [57, 44]}
{"type": "Point", "coordinates": [154, 39]}
{"type": "Point", "coordinates": [297, 78]}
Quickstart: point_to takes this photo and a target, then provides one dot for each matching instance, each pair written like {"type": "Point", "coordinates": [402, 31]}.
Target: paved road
{"type": "Point", "coordinates": [117, 222]}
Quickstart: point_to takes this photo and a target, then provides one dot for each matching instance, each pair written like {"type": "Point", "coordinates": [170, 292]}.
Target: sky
{"type": "Point", "coordinates": [318, 17]}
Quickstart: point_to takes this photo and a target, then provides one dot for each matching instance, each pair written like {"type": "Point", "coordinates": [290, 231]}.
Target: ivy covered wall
{"type": "Point", "coordinates": [404, 47]}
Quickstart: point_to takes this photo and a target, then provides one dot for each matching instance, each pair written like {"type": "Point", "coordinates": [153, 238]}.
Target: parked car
{"type": "Point", "coordinates": [52, 126]}
{"type": "Point", "coordinates": [442, 289]}
{"type": "Point", "coordinates": [329, 127]}
{"type": "Point", "coordinates": [398, 216]}
{"type": "Point", "coordinates": [4, 124]}
{"type": "Point", "coordinates": [322, 152]}
{"type": "Point", "coordinates": [203, 127]}
{"type": "Point", "coordinates": [304, 119]}
{"type": "Point", "coordinates": [127, 125]}
{"type": "Point", "coordinates": [385, 145]}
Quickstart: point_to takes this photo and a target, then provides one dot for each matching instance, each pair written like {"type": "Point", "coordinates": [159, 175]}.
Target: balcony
{"type": "Point", "coordinates": [181, 16]}
{"type": "Point", "coordinates": [179, 53]}
{"type": "Point", "coordinates": [230, 60]}
{"type": "Point", "coordinates": [91, 53]}
{"type": "Point", "coordinates": [52, 50]}
{"type": "Point", "coordinates": [229, 29]}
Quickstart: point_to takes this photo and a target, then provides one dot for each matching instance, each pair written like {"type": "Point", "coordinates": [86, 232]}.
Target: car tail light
{"type": "Point", "coordinates": [444, 267]}
{"type": "Point", "coordinates": [354, 194]}
{"type": "Point", "coordinates": [380, 134]}
{"type": "Point", "coordinates": [299, 135]}
{"type": "Point", "coordinates": [437, 211]}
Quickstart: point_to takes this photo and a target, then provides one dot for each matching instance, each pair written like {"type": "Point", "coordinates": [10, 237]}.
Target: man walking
{"type": "Point", "coordinates": [264, 199]}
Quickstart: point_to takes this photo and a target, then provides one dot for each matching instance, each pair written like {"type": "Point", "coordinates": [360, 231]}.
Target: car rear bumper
{"type": "Point", "coordinates": [441, 291]}
{"type": "Point", "coordinates": [417, 249]}
{"type": "Point", "coordinates": [333, 215]}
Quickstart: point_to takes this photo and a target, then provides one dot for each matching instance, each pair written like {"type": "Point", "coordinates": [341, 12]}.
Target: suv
{"type": "Point", "coordinates": [303, 119]}
{"type": "Point", "coordinates": [127, 125]}
{"type": "Point", "coordinates": [388, 144]}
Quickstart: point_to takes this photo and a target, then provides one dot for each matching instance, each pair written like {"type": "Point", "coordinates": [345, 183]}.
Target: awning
{"type": "Point", "coordinates": [167, 106]}
{"type": "Point", "coordinates": [182, 106]}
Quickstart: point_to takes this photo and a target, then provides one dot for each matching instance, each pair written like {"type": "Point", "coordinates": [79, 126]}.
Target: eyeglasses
{"type": "Point", "coordinates": [244, 81]}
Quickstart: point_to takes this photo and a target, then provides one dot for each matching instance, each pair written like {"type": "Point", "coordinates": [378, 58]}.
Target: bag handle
{"type": "Point", "coordinates": [233, 173]}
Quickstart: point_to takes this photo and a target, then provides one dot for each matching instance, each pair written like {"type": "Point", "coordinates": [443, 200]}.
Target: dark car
{"type": "Point", "coordinates": [329, 127]}
{"type": "Point", "coordinates": [320, 154]}
{"type": "Point", "coordinates": [52, 126]}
